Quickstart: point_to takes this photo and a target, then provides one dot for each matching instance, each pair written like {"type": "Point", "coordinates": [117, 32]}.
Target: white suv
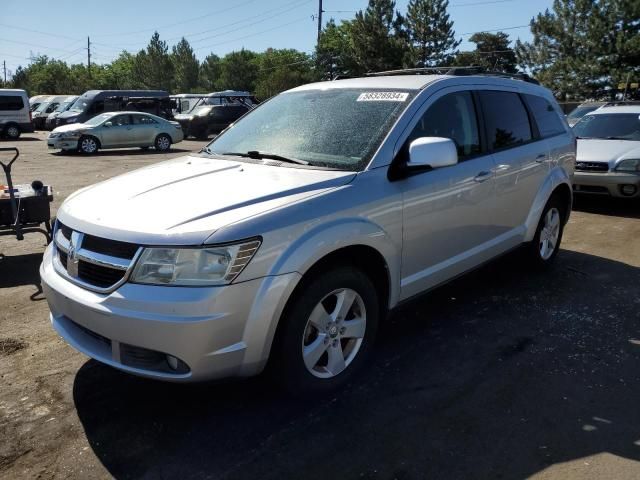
{"type": "Point", "coordinates": [294, 232]}
{"type": "Point", "coordinates": [15, 113]}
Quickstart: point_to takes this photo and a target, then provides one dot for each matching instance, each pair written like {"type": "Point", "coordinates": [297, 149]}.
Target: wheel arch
{"type": "Point", "coordinates": [558, 182]}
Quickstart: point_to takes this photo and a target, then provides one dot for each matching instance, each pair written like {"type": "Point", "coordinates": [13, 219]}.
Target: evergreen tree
{"type": "Point", "coordinates": [185, 66]}
{"type": "Point", "coordinates": [492, 52]}
{"type": "Point", "coordinates": [334, 53]}
{"type": "Point", "coordinates": [431, 33]}
{"type": "Point", "coordinates": [153, 68]}
{"type": "Point", "coordinates": [280, 70]}
{"type": "Point", "coordinates": [377, 38]}
{"type": "Point", "coordinates": [209, 72]}
{"type": "Point", "coordinates": [238, 71]}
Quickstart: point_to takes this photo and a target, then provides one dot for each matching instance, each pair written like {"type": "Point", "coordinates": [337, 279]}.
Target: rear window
{"type": "Point", "coordinates": [549, 124]}
{"type": "Point", "coordinates": [507, 122]}
{"type": "Point", "coordinates": [11, 102]}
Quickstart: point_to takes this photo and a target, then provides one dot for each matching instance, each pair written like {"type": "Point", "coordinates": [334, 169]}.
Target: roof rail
{"type": "Point", "coordinates": [456, 71]}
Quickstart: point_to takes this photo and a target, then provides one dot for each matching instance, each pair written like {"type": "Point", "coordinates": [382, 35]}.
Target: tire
{"type": "Point", "coordinates": [544, 248]}
{"type": "Point", "coordinates": [320, 347]}
{"type": "Point", "coordinates": [163, 142]}
{"type": "Point", "coordinates": [12, 131]}
{"type": "Point", "coordinates": [88, 145]}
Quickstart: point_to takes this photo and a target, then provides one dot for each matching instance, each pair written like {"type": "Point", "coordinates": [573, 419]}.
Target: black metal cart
{"type": "Point", "coordinates": [24, 208]}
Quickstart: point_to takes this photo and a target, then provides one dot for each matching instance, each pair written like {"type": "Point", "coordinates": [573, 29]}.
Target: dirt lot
{"type": "Point", "coordinates": [504, 373]}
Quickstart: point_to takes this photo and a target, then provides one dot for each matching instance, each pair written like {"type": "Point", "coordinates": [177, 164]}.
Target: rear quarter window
{"type": "Point", "coordinates": [11, 102]}
{"type": "Point", "coordinates": [547, 119]}
{"type": "Point", "coordinates": [506, 119]}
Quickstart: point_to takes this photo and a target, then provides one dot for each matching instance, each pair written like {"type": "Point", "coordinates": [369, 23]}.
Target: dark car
{"type": "Point", "coordinates": [215, 112]}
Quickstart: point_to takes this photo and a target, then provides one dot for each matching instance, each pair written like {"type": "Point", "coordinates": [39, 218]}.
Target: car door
{"type": "Point", "coordinates": [521, 157]}
{"type": "Point", "coordinates": [448, 222]}
{"type": "Point", "coordinates": [119, 133]}
{"type": "Point", "coordinates": [145, 130]}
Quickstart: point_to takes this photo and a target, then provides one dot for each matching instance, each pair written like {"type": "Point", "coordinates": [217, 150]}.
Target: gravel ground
{"type": "Point", "coordinates": [502, 374]}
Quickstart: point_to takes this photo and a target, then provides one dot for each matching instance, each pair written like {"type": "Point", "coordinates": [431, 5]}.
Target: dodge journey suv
{"type": "Point", "coordinates": [289, 237]}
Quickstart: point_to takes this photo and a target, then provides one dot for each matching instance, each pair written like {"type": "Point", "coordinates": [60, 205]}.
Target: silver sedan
{"type": "Point", "coordinates": [117, 130]}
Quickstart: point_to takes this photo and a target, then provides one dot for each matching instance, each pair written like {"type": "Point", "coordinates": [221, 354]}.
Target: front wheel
{"type": "Point", "coordinates": [12, 132]}
{"type": "Point", "coordinates": [328, 332]}
{"type": "Point", "coordinates": [163, 142]}
{"type": "Point", "coordinates": [88, 145]}
{"type": "Point", "coordinates": [546, 242]}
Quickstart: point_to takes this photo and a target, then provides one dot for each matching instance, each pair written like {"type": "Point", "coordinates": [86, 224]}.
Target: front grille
{"type": "Point", "coordinates": [110, 247]}
{"type": "Point", "coordinates": [98, 275]}
{"type": "Point", "coordinates": [592, 166]}
{"type": "Point", "coordinates": [90, 270]}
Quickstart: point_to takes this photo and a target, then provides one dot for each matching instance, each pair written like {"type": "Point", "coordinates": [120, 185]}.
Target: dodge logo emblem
{"type": "Point", "coordinates": [72, 254]}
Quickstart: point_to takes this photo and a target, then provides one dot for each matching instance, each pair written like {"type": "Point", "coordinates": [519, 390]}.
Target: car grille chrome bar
{"type": "Point", "coordinates": [78, 260]}
{"type": "Point", "coordinates": [592, 166]}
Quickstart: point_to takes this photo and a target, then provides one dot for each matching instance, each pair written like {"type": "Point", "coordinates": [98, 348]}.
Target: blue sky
{"type": "Point", "coordinates": [59, 28]}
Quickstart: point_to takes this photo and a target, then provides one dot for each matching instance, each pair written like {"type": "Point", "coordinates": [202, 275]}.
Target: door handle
{"type": "Point", "coordinates": [541, 157]}
{"type": "Point", "coordinates": [482, 176]}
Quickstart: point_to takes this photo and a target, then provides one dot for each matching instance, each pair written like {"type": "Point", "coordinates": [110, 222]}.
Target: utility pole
{"type": "Point", "coordinates": [89, 55]}
{"type": "Point", "coordinates": [319, 19]}
{"type": "Point", "coordinates": [4, 67]}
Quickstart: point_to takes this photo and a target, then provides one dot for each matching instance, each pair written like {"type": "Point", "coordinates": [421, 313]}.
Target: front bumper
{"type": "Point", "coordinates": [609, 183]}
{"type": "Point", "coordinates": [215, 332]}
{"type": "Point", "coordinates": [58, 143]}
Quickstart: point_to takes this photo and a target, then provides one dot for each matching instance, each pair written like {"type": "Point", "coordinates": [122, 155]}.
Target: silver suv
{"type": "Point", "coordinates": [292, 234]}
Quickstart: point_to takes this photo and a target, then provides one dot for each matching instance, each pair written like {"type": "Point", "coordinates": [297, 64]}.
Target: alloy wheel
{"type": "Point", "coordinates": [549, 234]}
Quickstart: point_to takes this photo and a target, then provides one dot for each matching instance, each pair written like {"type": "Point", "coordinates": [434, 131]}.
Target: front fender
{"type": "Point", "coordinates": [326, 238]}
{"type": "Point", "coordinates": [556, 177]}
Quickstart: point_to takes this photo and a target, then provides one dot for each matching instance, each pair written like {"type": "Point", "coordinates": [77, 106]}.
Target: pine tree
{"type": "Point", "coordinates": [186, 67]}
{"type": "Point", "coordinates": [377, 37]}
{"type": "Point", "coordinates": [153, 67]}
{"type": "Point", "coordinates": [431, 33]}
{"type": "Point", "coordinates": [492, 52]}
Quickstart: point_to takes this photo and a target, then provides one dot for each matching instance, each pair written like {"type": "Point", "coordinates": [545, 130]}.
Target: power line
{"type": "Point", "coordinates": [35, 45]}
{"type": "Point", "coordinates": [39, 31]}
{"type": "Point", "coordinates": [496, 30]}
{"type": "Point", "coordinates": [480, 3]}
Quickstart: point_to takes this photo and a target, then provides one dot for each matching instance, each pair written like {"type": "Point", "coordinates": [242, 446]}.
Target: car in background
{"type": "Point", "coordinates": [46, 108]}
{"type": "Point", "coordinates": [608, 156]}
{"type": "Point", "coordinates": [215, 113]}
{"type": "Point", "coordinates": [95, 102]}
{"type": "Point", "coordinates": [581, 110]}
{"type": "Point", "coordinates": [116, 130]}
{"type": "Point", "coordinates": [64, 105]}
{"type": "Point", "coordinates": [35, 101]}
{"type": "Point", "coordinates": [184, 102]}
{"type": "Point", "coordinates": [15, 114]}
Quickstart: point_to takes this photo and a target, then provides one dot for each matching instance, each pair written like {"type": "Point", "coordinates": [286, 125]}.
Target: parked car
{"type": "Point", "coordinates": [64, 105]}
{"type": "Point", "coordinates": [608, 158]}
{"type": "Point", "coordinates": [116, 130]}
{"type": "Point", "coordinates": [47, 107]}
{"type": "Point", "coordinates": [293, 233]}
{"type": "Point", "coordinates": [95, 102]}
{"type": "Point", "coordinates": [184, 102]}
{"type": "Point", "coordinates": [34, 102]}
{"type": "Point", "coordinates": [15, 115]}
{"type": "Point", "coordinates": [581, 110]}
{"type": "Point", "coordinates": [215, 113]}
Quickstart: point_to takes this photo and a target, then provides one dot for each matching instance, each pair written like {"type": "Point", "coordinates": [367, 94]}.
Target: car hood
{"type": "Point", "coordinates": [71, 127]}
{"type": "Point", "coordinates": [183, 201]}
{"type": "Point", "coordinates": [609, 151]}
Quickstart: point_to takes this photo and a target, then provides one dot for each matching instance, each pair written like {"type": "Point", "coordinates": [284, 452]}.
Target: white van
{"type": "Point", "coordinates": [15, 115]}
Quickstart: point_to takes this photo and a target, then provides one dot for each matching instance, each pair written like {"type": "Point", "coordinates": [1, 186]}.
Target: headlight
{"type": "Point", "coordinates": [193, 266]}
{"type": "Point", "coordinates": [72, 135]}
{"type": "Point", "coordinates": [628, 165]}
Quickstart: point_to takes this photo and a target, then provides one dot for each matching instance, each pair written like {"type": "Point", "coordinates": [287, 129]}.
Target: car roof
{"type": "Point", "coordinates": [617, 109]}
{"type": "Point", "coordinates": [228, 93]}
{"type": "Point", "coordinates": [12, 91]}
{"type": "Point", "coordinates": [130, 112]}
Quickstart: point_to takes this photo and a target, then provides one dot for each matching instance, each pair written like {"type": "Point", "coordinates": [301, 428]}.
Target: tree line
{"type": "Point", "coordinates": [578, 48]}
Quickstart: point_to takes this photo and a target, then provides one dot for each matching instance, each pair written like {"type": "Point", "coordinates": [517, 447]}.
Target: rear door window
{"type": "Point", "coordinates": [547, 119]}
{"type": "Point", "coordinates": [11, 102]}
{"type": "Point", "coordinates": [506, 119]}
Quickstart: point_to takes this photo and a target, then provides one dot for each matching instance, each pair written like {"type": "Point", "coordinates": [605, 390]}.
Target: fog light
{"type": "Point", "coordinates": [173, 362]}
{"type": "Point", "coordinates": [628, 190]}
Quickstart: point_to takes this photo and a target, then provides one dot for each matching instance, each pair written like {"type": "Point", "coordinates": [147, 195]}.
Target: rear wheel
{"type": "Point", "coordinates": [12, 131]}
{"type": "Point", "coordinates": [163, 142]}
{"type": "Point", "coordinates": [328, 332]}
{"type": "Point", "coordinates": [88, 145]}
{"type": "Point", "coordinates": [546, 242]}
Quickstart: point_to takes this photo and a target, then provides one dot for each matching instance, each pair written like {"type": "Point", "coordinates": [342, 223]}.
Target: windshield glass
{"type": "Point", "coordinates": [63, 107]}
{"type": "Point", "coordinates": [43, 106]}
{"type": "Point", "coordinates": [580, 112]}
{"type": "Point", "coordinates": [619, 126]}
{"type": "Point", "coordinates": [335, 128]}
{"type": "Point", "coordinates": [200, 110]}
{"type": "Point", "coordinates": [80, 105]}
{"type": "Point", "coordinates": [98, 119]}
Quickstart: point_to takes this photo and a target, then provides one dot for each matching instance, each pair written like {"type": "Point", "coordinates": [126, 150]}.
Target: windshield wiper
{"type": "Point", "coordinates": [271, 156]}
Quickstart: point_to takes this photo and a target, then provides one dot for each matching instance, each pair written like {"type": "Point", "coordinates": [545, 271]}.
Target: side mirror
{"type": "Point", "coordinates": [108, 124]}
{"type": "Point", "coordinates": [434, 152]}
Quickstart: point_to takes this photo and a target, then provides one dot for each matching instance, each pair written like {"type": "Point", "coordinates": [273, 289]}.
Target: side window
{"type": "Point", "coordinates": [121, 120]}
{"type": "Point", "coordinates": [549, 124]}
{"type": "Point", "coordinates": [11, 102]}
{"type": "Point", "coordinates": [452, 116]}
{"type": "Point", "coordinates": [506, 119]}
{"type": "Point", "coordinates": [143, 120]}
